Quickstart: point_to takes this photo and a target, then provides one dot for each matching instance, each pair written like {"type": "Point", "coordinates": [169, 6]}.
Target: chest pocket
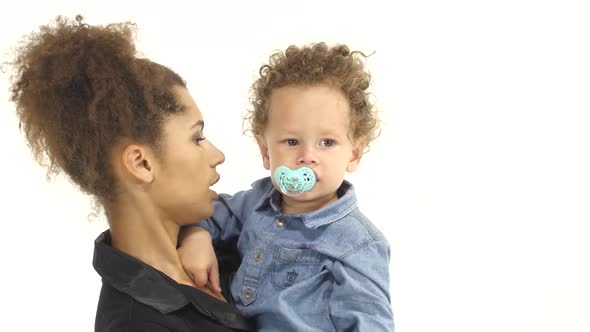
{"type": "Point", "coordinates": [291, 266]}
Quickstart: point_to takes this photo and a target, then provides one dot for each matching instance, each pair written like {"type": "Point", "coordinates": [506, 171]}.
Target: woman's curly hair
{"type": "Point", "coordinates": [314, 64]}
{"type": "Point", "coordinates": [79, 90]}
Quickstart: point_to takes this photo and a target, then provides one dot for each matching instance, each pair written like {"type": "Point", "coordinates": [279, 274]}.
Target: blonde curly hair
{"type": "Point", "coordinates": [314, 64]}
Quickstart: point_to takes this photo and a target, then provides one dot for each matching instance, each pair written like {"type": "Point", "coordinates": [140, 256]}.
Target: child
{"type": "Point", "coordinates": [311, 261]}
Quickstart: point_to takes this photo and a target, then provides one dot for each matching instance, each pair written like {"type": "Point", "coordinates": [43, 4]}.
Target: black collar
{"type": "Point", "coordinates": [153, 288]}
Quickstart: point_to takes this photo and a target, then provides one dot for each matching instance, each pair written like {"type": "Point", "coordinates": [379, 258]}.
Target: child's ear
{"type": "Point", "coordinates": [263, 151]}
{"type": "Point", "coordinates": [357, 154]}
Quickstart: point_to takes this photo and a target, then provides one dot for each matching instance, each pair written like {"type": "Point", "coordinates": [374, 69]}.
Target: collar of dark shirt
{"type": "Point", "coordinates": [153, 288]}
{"type": "Point", "coordinates": [345, 204]}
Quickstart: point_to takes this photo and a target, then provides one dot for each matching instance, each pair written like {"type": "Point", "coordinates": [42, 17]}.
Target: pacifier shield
{"type": "Point", "coordinates": [294, 182]}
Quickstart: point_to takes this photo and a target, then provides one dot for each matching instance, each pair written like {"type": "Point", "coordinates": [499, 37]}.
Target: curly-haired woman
{"type": "Point", "coordinates": [127, 131]}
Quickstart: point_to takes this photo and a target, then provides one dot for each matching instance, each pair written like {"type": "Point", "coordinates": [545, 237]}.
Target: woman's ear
{"type": "Point", "coordinates": [138, 162]}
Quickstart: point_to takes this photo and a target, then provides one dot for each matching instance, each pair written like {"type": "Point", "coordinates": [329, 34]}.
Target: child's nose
{"type": "Point", "coordinates": [307, 155]}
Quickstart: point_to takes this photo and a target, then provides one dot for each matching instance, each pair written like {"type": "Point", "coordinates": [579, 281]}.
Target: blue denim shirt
{"type": "Point", "coordinates": [326, 270]}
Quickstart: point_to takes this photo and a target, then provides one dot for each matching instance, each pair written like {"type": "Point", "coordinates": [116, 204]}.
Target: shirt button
{"type": "Point", "coordinates": [280, 222]}
{"type": "Point", "coordinates": [248, 294]}
{"type": "Point", "coordinates": [257, 256]}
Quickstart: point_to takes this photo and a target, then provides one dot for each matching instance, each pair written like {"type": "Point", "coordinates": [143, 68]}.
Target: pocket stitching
{"type": "Point", "coordinates": [309, 264]}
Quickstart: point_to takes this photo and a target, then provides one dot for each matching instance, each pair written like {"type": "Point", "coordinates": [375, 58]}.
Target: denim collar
{"type": "Point", "coordinates": [335, 211]}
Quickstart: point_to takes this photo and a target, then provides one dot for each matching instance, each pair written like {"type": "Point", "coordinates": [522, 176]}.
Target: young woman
{"type": "Point", "coordinates": [127, 131]}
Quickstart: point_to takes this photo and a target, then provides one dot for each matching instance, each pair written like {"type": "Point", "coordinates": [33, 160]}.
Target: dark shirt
{"type": "Point", "coordinates": [137, 297]}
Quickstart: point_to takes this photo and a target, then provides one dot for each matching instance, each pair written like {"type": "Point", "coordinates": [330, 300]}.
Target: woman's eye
{"type": "Point", "coordinates": [198, 138]}
{"type": "Point", "coordinates": [327, 142]}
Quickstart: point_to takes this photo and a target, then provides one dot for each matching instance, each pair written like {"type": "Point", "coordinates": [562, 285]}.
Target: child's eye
{"type": "Point", "coordinates": [327, 142]}
{"type": "Point", "coordinates": [291, 142]}
{"type": "Point", "coordinates": [198, 138]}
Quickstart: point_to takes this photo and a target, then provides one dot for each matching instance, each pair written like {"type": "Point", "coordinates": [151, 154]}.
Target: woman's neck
{"type": "Point", "coordinates": [143, 234]}
{"type": "Point", "coordinates": [140, 231]}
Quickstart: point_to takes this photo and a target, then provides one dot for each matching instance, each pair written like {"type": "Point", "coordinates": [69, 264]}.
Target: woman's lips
{"type": "Point", "coordinates": [216, 180]}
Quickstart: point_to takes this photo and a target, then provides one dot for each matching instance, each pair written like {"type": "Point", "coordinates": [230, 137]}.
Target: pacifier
{"type": "Point", "coordinates": [294, 182]}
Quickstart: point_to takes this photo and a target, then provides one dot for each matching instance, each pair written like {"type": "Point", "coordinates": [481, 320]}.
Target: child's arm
{"type": "Point", "coordinates": [360, 298]}
{"type": "Point", "coordinates": [225, 224]}
{"type": "Point", "coordinates": [195, 243]}
{"type": "Point", "coordinates": [198, 258]}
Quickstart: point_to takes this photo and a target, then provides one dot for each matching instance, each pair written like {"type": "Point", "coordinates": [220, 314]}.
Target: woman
{"type": "Point", "coordinates": [127, 131]}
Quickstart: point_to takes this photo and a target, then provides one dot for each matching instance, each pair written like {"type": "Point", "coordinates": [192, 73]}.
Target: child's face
{"type": "Point", "coordinates": [309, 126]}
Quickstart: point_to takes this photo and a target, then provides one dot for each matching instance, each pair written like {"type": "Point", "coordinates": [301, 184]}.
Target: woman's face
{"type": "Point", "coordinates": [186, 166]}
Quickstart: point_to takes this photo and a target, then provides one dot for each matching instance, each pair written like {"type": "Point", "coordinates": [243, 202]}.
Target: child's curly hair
{"type": "Point", "coordinates": [79, 90]}
{"type": "Point", "coordinates": [315, 64]}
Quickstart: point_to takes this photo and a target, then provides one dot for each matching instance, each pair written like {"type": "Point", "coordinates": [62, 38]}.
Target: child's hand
{"type": "Point", "coordinates": [198, 258]}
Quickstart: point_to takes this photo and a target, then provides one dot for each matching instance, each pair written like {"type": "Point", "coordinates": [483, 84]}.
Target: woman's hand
{"type": "Point", "coordinates": [198, 258]}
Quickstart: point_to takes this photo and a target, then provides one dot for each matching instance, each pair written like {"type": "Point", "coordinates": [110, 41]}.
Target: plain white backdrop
{"type": "Point", "coordinates": [480, 179]}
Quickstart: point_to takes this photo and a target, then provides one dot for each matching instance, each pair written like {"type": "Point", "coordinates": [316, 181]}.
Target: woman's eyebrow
{"type": "Point", "coordinates": [198, 123]}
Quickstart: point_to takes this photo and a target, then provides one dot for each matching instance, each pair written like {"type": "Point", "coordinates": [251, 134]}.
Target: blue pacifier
{"type": "Point", "coordinates": [294, 182]}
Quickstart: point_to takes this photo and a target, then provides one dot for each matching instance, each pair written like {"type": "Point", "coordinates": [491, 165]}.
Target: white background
{"type": "Point", "coordinates": [480, 179]}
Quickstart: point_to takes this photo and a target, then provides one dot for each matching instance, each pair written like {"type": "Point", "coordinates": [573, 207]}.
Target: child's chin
{"type": "Point", "coordinates": [306, 196]}
{"type": "Point", "coordinates": [301, 197]}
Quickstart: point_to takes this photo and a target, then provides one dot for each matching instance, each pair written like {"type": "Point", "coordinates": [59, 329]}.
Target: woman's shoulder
{"type": "Point", "coordinates": [135, 296]}
{"type": "Point", "coordinates": [120, 312]}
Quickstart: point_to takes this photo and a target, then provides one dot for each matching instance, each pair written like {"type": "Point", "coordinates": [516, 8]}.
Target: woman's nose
{"type": "Point", "coordinates": [217, 157]}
